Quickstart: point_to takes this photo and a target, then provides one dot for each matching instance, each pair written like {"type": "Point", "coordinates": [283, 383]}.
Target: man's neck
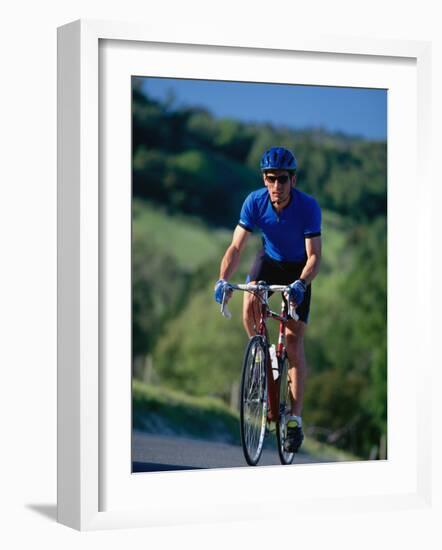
{"type": "Point", "coordinates": [282, 205]}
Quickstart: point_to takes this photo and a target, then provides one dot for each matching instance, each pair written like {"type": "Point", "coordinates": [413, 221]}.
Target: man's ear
{"type": "Point", "coordinates": [294, 180]}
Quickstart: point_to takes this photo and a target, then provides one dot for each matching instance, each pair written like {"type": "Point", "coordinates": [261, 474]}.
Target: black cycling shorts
{"type": "Point", "coordinates": [274, 272]}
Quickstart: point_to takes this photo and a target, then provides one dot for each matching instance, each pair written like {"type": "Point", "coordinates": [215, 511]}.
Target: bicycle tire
{"type": "Point", "coordinates": [253, 400]}
{"type": "Point", "coordinates": [284, 410]}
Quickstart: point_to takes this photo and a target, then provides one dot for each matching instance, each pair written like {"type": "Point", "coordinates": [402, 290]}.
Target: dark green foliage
{"type": "Point", "coordinates": [336, 413]}
{"type": "Point", "coordinates": [191, 173]}
{"type": "Point", "coordinates": [193, 182]}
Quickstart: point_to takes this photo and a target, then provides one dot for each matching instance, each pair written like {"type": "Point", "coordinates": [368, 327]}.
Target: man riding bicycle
{"type": "Point", "coordinates": [290, 222]}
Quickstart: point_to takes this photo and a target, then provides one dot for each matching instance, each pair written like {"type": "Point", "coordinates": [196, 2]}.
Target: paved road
{"type": "Point", "coordinates": [152, 453]}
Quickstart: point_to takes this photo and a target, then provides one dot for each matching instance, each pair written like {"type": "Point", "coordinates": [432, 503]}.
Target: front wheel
{"type": "Point", "coordinates": [284, 411]}
{"type": "Point", "coordinates": [253, 406]}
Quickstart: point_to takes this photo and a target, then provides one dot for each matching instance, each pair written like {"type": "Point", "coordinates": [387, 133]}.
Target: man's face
{"type": "Point", "coordinates": [279, 184]}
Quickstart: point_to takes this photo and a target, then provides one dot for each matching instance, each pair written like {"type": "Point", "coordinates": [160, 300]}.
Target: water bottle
{"type": "Point", "coordinates": [274, 359]}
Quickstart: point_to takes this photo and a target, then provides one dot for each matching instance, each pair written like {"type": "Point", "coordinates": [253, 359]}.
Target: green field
{"type": "Point", "coordinates": [188, 240]}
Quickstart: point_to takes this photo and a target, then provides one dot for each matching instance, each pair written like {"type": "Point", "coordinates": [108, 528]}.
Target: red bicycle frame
{"type": "Point", "coordinates": [273, 385]}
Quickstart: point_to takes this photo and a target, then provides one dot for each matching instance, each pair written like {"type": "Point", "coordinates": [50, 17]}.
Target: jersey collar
{"type": "Point", "coordinates": [292, 194]}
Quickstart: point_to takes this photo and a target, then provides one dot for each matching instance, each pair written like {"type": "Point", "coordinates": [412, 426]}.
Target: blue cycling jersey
{"type": "Point", "coordinates": [283, 234]}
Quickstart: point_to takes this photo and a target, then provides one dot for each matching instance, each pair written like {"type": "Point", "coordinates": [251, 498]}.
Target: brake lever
{"type": "Point", "coordinates": [224, 309]}
{"type": "Point", "coordinates": [291, 307]}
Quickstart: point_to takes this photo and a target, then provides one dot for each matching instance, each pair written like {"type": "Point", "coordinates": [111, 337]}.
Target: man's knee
{"type": "Point", "coordinates": [295, 338]}
{"type": "Point", "coordinates": [246, 310]}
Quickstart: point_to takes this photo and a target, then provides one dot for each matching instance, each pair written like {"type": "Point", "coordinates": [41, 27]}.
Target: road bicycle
{"type": "Point", "coordinates": [265, 384]}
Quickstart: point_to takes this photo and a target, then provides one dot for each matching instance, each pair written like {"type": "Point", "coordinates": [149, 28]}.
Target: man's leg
{"type": "Point", "coordinates": [297, 372]}
{"type": "Point", "coordinates": [250, 312]}
{"type": "Point", "coordinates": [298, 367]}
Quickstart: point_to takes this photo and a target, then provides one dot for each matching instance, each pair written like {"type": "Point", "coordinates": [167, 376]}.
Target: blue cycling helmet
{"type": "Point", "coordinates": [278, 158]}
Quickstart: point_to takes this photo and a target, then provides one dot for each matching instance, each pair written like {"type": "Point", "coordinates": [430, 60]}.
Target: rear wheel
{"type": "Point", "coordinates": [253, 406]}
{"type": "Point", "coordinates": [284, 412]}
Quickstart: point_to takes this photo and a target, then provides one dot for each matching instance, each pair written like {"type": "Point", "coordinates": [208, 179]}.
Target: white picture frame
{"type": "Point", "coordinates": [96, 491]}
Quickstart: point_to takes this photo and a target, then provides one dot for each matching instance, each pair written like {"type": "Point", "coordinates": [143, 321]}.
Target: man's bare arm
{"type": "Point", "coordinates": [230, 261]}
{"type": "Point", "coordinates": [313, 248]}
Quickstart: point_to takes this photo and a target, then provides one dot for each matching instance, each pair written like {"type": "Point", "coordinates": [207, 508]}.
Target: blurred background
{"type": "Point", "coordinates": [196, 152]}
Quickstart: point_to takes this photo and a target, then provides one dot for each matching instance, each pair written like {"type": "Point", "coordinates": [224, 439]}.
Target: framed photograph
{"type": "Point", "coordinates": [143, 223]}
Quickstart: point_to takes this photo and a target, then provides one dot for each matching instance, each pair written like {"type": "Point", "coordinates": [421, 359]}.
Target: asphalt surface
{"type": "Point", "coordinates": [153, 453]}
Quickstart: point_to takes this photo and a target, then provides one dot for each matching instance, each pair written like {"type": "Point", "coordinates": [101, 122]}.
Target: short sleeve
{"type": "Point", "coordinates": [247, 217]}
{"type": "Point", "coordinates": [312, 226]}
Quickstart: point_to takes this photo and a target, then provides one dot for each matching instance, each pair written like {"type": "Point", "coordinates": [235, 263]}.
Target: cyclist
{"type": "Point", "coordinates": [290, 222]}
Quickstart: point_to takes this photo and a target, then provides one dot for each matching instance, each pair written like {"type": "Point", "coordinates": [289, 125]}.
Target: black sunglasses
{"type": "Point", "coordinates": [282, 179]}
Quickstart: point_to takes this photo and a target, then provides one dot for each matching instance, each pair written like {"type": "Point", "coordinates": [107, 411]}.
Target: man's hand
{"type": "Point", "coordinates": [220, 288]}
{"type": "Point", "coordinates": [297, 291]}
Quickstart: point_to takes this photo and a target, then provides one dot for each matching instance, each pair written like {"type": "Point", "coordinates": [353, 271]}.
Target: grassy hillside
{"type": "Point", "coordinates": [161, 410]}
{"type": "Point", "coordinates": [186, 239]}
